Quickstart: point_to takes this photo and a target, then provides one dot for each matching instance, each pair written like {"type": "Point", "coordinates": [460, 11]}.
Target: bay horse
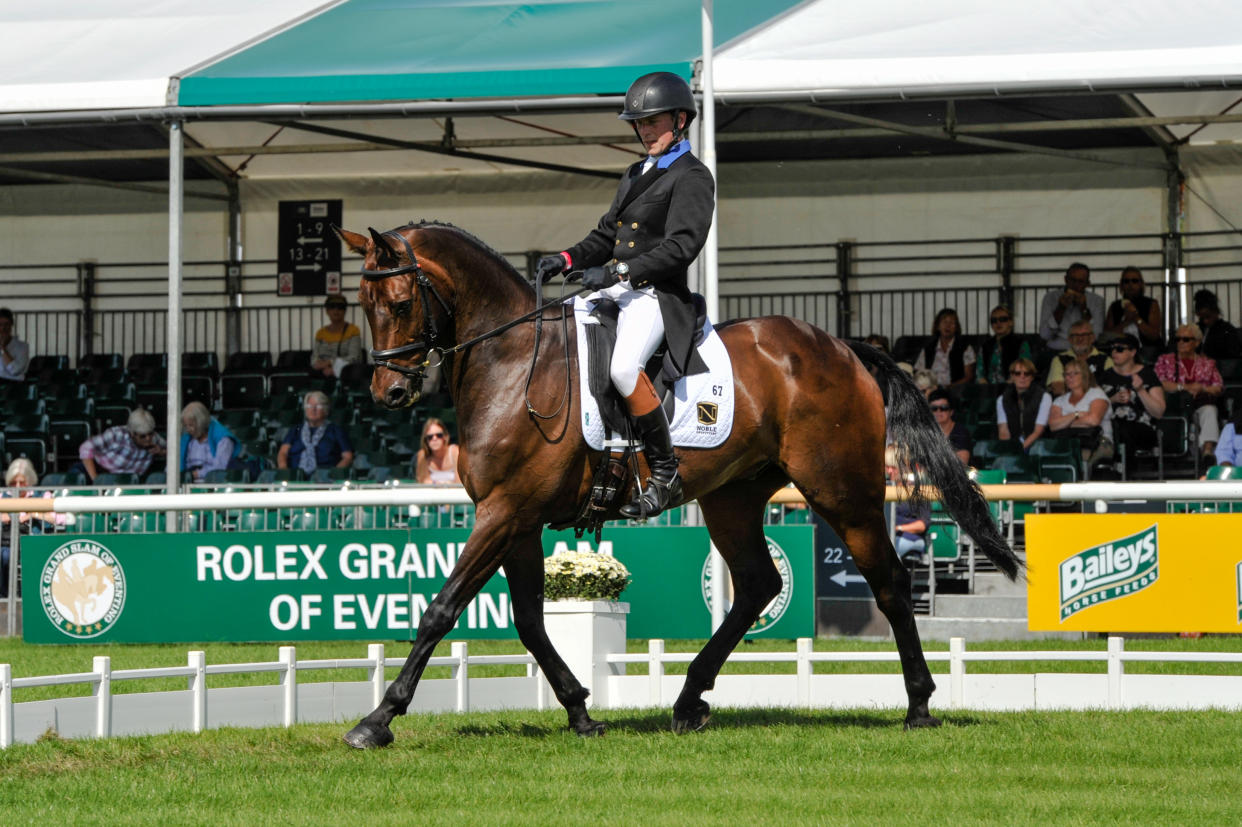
{"type": "Point", "coordinates": [807, 411]}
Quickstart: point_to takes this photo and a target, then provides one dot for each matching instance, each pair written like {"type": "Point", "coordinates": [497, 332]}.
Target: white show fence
{"type": "Point", "coordinates": [196, 708]}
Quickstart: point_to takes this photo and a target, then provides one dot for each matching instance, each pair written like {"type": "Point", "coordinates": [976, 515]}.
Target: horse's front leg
{"type": "Point", "coordinates": [524, 571]}
{"type": "Point", "coordinates": [484, 550]}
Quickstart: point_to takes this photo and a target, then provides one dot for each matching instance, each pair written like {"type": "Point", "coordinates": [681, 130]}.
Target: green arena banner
{"type": "Point", "coordinates": [357, 585]}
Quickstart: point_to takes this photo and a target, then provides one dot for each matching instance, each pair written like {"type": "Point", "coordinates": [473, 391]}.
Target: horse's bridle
{"type": "Point", "coordinates": [426, 290]}
{"type": "Point", "coordinates": [432, 344]}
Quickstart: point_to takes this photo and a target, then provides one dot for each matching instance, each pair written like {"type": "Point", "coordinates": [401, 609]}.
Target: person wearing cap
{"type": "Point", "coordinates": [338, 343]}
{"type": "Point", "coordinates": [639, 255]}
{"type": "Point", "coordinates": [1135, 394]}
{"type": "Point", "coordinates": [1221, 339]}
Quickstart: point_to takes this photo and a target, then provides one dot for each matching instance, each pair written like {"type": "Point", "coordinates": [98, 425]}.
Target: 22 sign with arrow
{"type": "Point", "coordinates": [308, 258]}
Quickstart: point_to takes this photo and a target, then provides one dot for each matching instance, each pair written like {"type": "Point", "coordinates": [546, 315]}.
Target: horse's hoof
{"type": "Point", "coordinates": [590, 728]}
{"type": "Point", "coordinates": [922, 722]}
{"type": "Point", "coordinates": [692, 721]}
{"type": "Point", "coordinates": [369, 736]}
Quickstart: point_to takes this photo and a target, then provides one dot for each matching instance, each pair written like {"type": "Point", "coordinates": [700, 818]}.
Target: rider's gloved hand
{"type": "Point", "coordinates": [597, 278]}
{"type": "Point", "coordinates": [550, 266]}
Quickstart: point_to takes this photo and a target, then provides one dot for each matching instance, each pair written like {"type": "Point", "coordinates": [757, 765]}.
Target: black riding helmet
{"type": "Point", "coordinates": [659, 92]}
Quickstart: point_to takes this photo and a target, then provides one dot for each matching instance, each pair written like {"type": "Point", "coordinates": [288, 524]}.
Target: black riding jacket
{"type": "Point", "coordinates": [657, 224]}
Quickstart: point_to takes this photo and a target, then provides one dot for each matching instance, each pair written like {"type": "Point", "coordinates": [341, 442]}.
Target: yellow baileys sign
{"type": "Point", "coordinates": [1107, 572]}
{"type": "Point", "coordinates": [1118, 573]}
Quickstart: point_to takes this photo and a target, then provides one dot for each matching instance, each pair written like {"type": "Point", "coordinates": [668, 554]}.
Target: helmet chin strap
{"type": "Point", "coordinates": [678, 131]}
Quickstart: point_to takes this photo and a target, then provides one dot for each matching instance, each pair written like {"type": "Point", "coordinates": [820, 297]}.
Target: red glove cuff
{"type": "Point", "coordinates": [569, 262]}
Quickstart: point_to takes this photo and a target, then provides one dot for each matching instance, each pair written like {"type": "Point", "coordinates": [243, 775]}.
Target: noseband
{"type": "Point", "coordinates": [426, 291]}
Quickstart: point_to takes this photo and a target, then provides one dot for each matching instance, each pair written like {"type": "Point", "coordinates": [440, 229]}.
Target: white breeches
{"type": "Point", "coordinates": [640, 328]}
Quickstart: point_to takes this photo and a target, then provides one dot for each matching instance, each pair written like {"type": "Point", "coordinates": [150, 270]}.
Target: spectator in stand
{"type": "Point", "coordinates": [1083, 413]}
{"type": "Point", "coordinates": [1221, 340]}
{"type": "Point", "coordinates": [947, 354]}
{"type": "Point", "coordinates": [316, 443]}
{"type": "Point", "coordinates": [925, 381]}
{"type": "Point", "coordinates": [122, 449]}
{"type": "Point", "coordinates": [910, 524]}
{"type": "Point", "coordinates": [21, 476]}
{"type": "Point", "coordinates": [1135, 393]}
{"type": "Point", "coordinates": [1082, 346]}
{"type": "Point", "coordinates": [436, 460]}
{"type": "Point", "coordinates": [1022, 409]}
{"type": "Point", "coordinates": [1060, 309]}
{"type": "Point", "coordinates": [14, 353]}
{"type": "Point", "coordinates": [1004, 346]}
{"type": "Point", "coordinates": [338, 343]}
{"type": "Point", "coordinates": [1229, 448]}
{"type": "Point", "coordinates": [942, 409]}
{"type": "Point", "coordinates": [206, 445]}
{"type": "Point", "coordinates": [1134, 313]}
{"type": "Point", "coordinates": [879, 342]}
{"type": "Point", "coordinates": [1186, 371]}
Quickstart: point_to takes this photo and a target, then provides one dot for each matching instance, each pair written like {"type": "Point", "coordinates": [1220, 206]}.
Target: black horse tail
{"type": "Point", "coordinates": [925, 454]}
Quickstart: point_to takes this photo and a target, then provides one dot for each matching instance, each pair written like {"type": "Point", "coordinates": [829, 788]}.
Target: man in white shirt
{"type": "Point", "coordinates": [14, 353]}
{"type": "Point", "coordinates": [1062, 308]}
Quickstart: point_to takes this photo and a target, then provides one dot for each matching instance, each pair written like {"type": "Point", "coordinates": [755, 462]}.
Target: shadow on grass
{"type": "Point", "coordinates": [660, 720]}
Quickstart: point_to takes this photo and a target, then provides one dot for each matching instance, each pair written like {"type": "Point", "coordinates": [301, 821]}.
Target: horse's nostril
{"type": "Point", "coordinates": [396, 395]}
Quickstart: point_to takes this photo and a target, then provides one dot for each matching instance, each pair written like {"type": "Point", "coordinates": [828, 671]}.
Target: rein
{"type": "Point", "coordinates": [431, 345]}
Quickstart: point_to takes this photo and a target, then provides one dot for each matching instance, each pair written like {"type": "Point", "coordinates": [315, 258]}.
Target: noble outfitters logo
{"type": "Point", "coordinates": [82, 589]}
{"type": "Point", "coordinates": [775, 610]}
{"type": "Point", "coordinates": [1110, 571]}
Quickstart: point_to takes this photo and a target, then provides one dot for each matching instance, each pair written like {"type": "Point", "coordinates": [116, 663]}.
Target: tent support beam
{"type": "Point", "coordinates": [957, 137]}
{"type": "Point", "coordinates": [441, 150]}
{"type": "Point", "coordinates": [56, 178]}
{"type": "Point", "coordinates": [1153, 124]}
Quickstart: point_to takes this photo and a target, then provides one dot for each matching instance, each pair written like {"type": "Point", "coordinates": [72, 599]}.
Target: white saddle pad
{"type": "Point", "coordinates": [703, 413]}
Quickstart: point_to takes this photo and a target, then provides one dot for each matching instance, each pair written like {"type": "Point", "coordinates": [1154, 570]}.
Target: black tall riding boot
{"type": "Point", "coordinates": [664, 485]}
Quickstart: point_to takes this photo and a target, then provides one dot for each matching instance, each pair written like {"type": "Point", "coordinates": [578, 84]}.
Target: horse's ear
{"type": "Point", "coordinates": [354, 241]}
{"type": "Point", "coordinates": [383, 252]}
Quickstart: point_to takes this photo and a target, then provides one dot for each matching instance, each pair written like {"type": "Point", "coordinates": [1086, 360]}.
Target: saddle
{"type": "Point", "coordinates": [612, 479]}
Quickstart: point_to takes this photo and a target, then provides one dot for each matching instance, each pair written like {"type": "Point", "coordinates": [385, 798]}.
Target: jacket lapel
{"type": "Point", "coordinates": [640, 186]}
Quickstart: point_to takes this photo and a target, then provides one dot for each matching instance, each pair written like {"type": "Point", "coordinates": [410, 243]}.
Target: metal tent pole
{"type": "Point", "coordinates": [176, 191]}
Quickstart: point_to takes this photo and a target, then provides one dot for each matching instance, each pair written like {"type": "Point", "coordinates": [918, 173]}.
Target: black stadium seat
{"type": "Point", "coordinates": [243, 391]}
{"type": "Point", "coordinates": [254, 361]}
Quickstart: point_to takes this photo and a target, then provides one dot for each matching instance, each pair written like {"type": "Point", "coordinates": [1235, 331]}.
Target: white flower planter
{"type": "Point", "coordinates": [585, 632]}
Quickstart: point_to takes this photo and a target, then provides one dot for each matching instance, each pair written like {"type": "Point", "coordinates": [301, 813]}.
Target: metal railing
{"type": "Point", "coordinates": [849, 288]}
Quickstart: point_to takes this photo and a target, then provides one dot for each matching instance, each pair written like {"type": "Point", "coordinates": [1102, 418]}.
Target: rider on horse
{"type": "Point", "coordinates": [639, 255]}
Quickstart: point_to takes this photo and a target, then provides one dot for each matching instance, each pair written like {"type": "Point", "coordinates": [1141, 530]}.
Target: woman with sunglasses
{"type": "Point", "coordinates": [942, 409]}
{"type": "Point", "coordinates": [1187, 371]}
{"type": "Point", "coordinates": [1000, 351]}
{"type": "Point", "coordinates": [1135, 393]}
{"type": "Point", "coordinates": [1082, 412]}
{"type": "Point", "coordinates": [1022, 410]}
{"type": "Point", "coordinates": [1134, 313]}
{"type": "Point", "coordinates": [436, 462]}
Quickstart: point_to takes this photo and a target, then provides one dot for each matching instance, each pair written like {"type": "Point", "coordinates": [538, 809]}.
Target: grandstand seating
{"type": "Point", "coordinates": [293, 360]}
{"type": "Point", "coordinates": [248, 362]}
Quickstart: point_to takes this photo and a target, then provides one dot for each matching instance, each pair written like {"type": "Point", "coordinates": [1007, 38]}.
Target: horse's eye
{"type": "Point", "coordinates": [401, 309]}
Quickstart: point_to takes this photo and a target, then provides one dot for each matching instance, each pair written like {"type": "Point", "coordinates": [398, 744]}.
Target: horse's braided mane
{"type": "Point", "coordinates": [424, 224]}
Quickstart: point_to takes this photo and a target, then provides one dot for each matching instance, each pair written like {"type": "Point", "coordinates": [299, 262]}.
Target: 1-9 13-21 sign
{"type": "Point", "coordinates": [308, 258]}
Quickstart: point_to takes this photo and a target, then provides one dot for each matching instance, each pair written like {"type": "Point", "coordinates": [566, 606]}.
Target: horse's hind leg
{"type": "Point", "coordinates": [524, 571]}
{"type": "Point", "coordinates": [866, 535]}
{"type": "Point", "coordinates": [734, 516]}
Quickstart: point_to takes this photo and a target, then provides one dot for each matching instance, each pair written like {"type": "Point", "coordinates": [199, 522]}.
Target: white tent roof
{"type": "Point", "coordinates": [66, 54]}
{"type": "Point", "coordinates": [955, 47]}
